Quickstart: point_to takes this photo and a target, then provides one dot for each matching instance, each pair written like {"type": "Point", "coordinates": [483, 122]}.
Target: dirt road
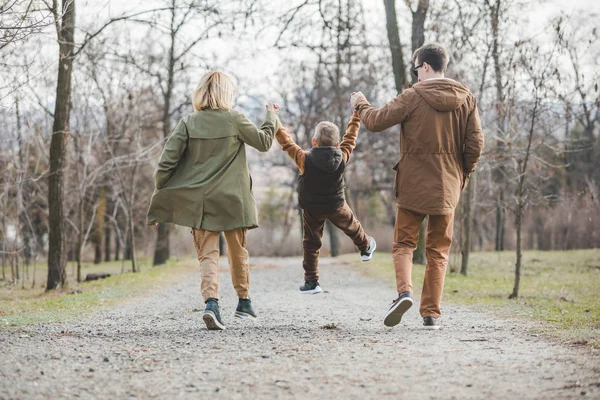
{"type": "Point", "coordinates": [331, 345]}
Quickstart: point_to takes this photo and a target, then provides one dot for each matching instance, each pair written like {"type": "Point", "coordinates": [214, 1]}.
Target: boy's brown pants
{"type": "Point", "coordinates": [439, 239]}
{"type": "Point", "coordinates": [207, 247]}
{"type": "Point", "coordinates": [344, 219]}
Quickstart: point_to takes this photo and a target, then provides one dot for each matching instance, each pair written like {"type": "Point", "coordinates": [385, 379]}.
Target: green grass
{"type": "Point", "coordinates": [559, 293]}
{"type": "Point", "coordinates": [29, 306]}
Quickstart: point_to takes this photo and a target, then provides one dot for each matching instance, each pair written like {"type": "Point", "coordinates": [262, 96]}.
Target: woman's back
{"type": "Point", "coordinates": [202, 178]}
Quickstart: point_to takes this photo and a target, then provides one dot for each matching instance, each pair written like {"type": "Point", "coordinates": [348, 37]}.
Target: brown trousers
{"type": "Point", "coordinates": [207, 247]}
{"type": "Point", "coordinates": [439, 239]}
{"type": "Point", "coordinates": [344, 219]}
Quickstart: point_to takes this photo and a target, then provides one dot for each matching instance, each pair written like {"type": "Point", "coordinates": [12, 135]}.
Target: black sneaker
{"type": "Point", "coordinates": [211, 315]}
{"type": "Point", "coordinates": [244, 309]}
{"type": "Point", "coordinates": [311, 287]}
{"type": "Point", "coordinates": [398, 308]}
{"type": "Point", "coordinates": [431, 323]}
{"type": "Point", "coordinates": [368, 254]}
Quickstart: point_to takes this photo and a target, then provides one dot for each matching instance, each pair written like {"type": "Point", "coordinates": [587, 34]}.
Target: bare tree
{"type": "Point", "coordinates": [398, 65]}
{"type": "Point", "coordinates": [65, 31]}
{"type": "Point", "coordinates": [539, 69]}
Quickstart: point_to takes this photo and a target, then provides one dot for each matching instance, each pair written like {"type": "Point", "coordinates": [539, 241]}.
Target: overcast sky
{"type": "Point", "coordinates": [256, 59]}
{"type": "Point", "coordinates": [260, 59]}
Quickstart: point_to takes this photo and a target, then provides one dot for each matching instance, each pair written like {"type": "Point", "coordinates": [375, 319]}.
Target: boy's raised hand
{"type": "Point", "coordinates": [354, 97]}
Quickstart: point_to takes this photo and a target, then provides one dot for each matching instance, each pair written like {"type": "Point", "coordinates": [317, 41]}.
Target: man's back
{"type": "Point", "coordinates": [440, 144]}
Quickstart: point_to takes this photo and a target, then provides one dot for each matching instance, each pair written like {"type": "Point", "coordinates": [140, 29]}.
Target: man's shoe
{"type": "Point", "coordinates": [431, 323]}
{"type": "Point", "coordinates": [398, 308]}
{"type": "Point", "coordinates": [244, 309]}
{"type": "Point", "coordinates": [310, 287]}
{"type": "Point", "coordinates": [368, 254]}
{"type": "Point", "coordinates": [211, 315]}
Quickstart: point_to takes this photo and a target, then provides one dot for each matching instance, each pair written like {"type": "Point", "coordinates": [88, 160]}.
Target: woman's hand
{"type": "Point", "coordinates": [273, 107]}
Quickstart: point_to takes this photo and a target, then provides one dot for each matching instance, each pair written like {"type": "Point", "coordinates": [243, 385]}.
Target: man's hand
{"type": "Point", "coordinates": [355, 97]}
{"type": "Point", "coordinates": [273, 107]}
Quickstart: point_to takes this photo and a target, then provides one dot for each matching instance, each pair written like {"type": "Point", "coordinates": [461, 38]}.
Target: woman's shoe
{"type": "Point", "coordinates": [244, 309]}
{"type": "Point", "coordinates": [211, 315]}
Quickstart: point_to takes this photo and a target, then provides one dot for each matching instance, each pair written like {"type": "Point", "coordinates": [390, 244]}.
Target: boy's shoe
{"type": "Point", "coordinates": [431, 323]}
{"type": "Point", "coordinates": [368, 254]}
{"type": "Point", "coordinates": [310, 287]}
{"type": "Point", "coordinates": [244, 309]}
{"type": "Point", "coordinates": [211, 315]}
{"type": "Point", "coordinates": [398, 308]}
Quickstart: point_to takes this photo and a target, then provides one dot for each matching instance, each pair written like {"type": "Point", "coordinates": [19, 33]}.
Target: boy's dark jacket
{"type": "Point", "coordinates": [321, 181]}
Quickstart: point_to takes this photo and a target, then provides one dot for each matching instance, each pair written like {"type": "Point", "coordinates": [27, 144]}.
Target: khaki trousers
{"type": "Point", "coordinates": [344, 219]}
{"type": "Point", "coordinates": [207, 247]}
{"type": "Point", "coordinates": [439, 239]}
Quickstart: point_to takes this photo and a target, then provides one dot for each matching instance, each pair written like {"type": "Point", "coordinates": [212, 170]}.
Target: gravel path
{"type": "Point", "coordinates": [302, 346]}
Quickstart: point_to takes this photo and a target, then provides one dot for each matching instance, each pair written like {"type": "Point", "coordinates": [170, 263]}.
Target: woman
{"type": "Point", "coordinates": [202, 181]}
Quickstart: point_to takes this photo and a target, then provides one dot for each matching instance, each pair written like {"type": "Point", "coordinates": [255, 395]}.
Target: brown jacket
{"type": "Point", "coordinates": [299, 156]}
{"type": "Point", "coordinates": [441, 142]}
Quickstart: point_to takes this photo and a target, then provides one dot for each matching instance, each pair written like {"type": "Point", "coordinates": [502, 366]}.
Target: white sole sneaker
{"type": "Point", "coordinates": [367, 257]}
{"type": "Point", "coordinates": [394, 315]}
{"type": "Point", "coordinates": [212, 324]}
{"type": "Point", "coordinates": [243, 315]}
{"type": "Point", "coordinates": [313, 291]}
{"type": "Point", "coordinates": [431, 327]}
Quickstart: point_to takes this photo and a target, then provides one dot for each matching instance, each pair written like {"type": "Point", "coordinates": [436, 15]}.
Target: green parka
{"type": "Point", "coordinates": [202, 179]}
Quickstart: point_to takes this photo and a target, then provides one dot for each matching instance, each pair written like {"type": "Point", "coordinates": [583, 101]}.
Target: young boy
{"type": "Point", "coordinates": [321, 193]}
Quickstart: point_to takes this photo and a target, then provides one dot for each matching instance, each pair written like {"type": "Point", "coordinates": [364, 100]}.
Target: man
{"type": "Point", "coordinates": [440, 146]}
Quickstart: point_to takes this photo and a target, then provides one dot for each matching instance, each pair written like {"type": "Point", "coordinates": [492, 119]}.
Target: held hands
{"type": "Point", "coordinates": [355, 97]}
{"type": "Point", "coordinates": [272, 107]}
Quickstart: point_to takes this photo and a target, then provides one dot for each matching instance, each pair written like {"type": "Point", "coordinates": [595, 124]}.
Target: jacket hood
{"type": "Point", "coordinates": [443, 94]}
{"type": "Point", "coordinates": [325, 158]}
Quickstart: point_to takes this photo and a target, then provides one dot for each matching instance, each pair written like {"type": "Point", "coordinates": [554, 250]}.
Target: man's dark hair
{"type": "Point", "coordinates": [432, 54]}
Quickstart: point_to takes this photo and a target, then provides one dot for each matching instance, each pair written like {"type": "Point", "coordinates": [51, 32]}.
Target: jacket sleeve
{"type": "Point", "coordinates": [293, 150]}
{"type": "Point", "coordinates": [349, 142]}
{"type": "Point", "coordinates": [169, 159]}
{"type": "Point", "coordinates": [393, 113]}
{"type": "Point", "coordinates": [473, 143]}
{"type": "Point", "coordinates": [261, 139]}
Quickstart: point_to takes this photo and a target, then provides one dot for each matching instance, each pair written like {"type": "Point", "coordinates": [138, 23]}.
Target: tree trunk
{"type": "Point", "coordinates": [334, 242]}
{"type": "Point", "coordinates": [395, 45]}
{"type": "Point", "coordinates": [499, 173]}
{"type": "Point", "coordinates": [107, 238]}
{"type": "Point", "coordinates": [500, 218]}
{"type": "Point", "coordinates": [515, 292]}
{"type": "Point", "coordinates": [99, 227]}
{"type": "Point", "coordinates": [127, 250]}
{"type": "Point", "coordinates": [57, 276]}
{"type": "Point", "coordinates": [161, 251]}
{"type": "Point", "coordinates": [222, 245]}
{"type": "Point", "coordinates": [25, 229]}
{"type": "Point", "coordinates": [117, 247]}
{"type": "Point", "coordinates": [468, 227]}
{"type": "Point", "coordinates": [419, 253]}
{"type": "Point", "coordinates": [80, 235]}
{"type": "Point", "coordinates": [132, 246]}
{"type": "Point", "coordinates": [418, 28]}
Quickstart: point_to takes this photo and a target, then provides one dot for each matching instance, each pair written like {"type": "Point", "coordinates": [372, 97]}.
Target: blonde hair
{"type": "Point", "coordinates": [327, 134]}
{"type": "Point", "coordinates": [215, 90]}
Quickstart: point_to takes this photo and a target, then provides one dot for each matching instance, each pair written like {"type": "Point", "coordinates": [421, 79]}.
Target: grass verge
{"type": "Point", "coordinates": [30, 306]}
{"type": "Point", "coordinates": [559, 293]}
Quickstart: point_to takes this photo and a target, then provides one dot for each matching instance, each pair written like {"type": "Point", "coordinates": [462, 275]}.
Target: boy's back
{"type": "Point", "coordinates": [321, 186]}
{"type": "Point", "coordinates": [321, 193]}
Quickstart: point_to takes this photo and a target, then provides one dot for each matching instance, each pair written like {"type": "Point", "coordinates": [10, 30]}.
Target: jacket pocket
{"type": "Point", "coordinates": [396, 168]}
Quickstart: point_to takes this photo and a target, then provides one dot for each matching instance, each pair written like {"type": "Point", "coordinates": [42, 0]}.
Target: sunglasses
{"type": "Point", "coordinates": [415, 70]}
